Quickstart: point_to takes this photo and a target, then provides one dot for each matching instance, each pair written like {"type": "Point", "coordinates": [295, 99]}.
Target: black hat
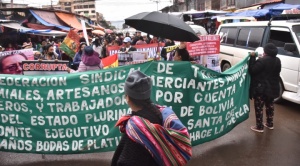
{"type": "Point", "coordinates": [270, 49]}
{"type": "Point", "coordinates": [88, 50]}
{"type": "Point", "coordinates": [138, 85]}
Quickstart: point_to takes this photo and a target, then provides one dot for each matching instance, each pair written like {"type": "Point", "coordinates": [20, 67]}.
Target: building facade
{"type": "Point", "coordinates": [227, 5]}
{"type": "Point", "coordinates": [85, 8]}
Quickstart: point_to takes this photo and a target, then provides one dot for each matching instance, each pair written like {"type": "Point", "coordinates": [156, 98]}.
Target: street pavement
{"type": "Point", "coordinates": [239, 147]}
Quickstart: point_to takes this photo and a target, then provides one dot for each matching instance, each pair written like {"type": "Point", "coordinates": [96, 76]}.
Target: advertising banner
{"type": "Point", "coordinates": [77, 113]}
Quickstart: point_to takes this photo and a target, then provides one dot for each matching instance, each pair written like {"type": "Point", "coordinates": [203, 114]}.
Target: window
{"type": "Point", "coordinates": [230, 2]}
{"type": "Point", "coordinates": [85, 12]}
{"type": "Point", "coordinates": [68, 9]}
{"type": "Point", "coordinates": [255, 38]}
{"type": "Point", "coordinates": [93, 11]}
{"type": "Point", "coordinates": [228, 35]}
{"type": "Point", "coordinates": [85, 6]}
{"type": "Point", "coordinates": [250, 37]}
{"type": "Point", "coordinates": [91, 6]}
{"type": "Point", "coordinates": [243, 37]}
{"type": "Point", "coordinates": [283, 40]}
{"type": "Point", "coordinates": [67, 4]}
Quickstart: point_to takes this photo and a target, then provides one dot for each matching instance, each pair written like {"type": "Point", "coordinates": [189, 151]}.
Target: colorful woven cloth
{"type": "Point", "coordinates": [169, 144]}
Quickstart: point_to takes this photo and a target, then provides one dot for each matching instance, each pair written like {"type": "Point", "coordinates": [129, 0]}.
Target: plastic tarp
{"type": "Point", "coordinates": [278, 9]}
{"type": "Point", "coordinates": [48, 19]}
{"type": "Point", "coordinates": [250, 13]}
{"type": "Point", "coordinates": [69, 19]}
{"type": "Point", "coordinates": [285, 7]}
{"type": "Point", "coordinates": [272, 11]}
{"type": "Point", "coordinates": [21, 29]}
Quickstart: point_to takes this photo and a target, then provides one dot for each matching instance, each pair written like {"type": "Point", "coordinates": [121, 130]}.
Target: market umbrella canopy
{"type": "Point", "coordinates": [162, 25]}
{"type": "Point", "coordinates": [98, 32]}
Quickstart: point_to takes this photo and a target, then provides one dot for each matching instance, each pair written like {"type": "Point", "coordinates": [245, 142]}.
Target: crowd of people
{"type": "Point", "coordinates": [49, 49]}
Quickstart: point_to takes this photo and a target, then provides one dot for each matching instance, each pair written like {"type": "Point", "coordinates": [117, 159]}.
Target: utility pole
{"type": "Point", "coordinates": [156, 1]}
{"type": "Point", "coordinates": [11, 3]}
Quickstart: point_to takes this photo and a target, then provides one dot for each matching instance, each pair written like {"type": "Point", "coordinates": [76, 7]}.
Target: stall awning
{"type": "Point", "coordinates": [21, 29]}
{"type": "Point", "coordinates": [69, 19]}
{"type": "Point", "coordinates": [37, 26]}
{"type": "Point", "coordinates": [48, 19]}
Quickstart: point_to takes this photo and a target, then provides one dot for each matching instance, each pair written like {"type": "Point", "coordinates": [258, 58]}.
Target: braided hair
{"type": "Point", "coordinates": [147, 104]}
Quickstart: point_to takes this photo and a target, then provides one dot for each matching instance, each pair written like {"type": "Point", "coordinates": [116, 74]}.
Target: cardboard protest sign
{"type": "Point", "coordinates": [207, 45]}
{"type": "Point", "coordinates": [77, 113]}
{"type": "Point", "coordinates": [45, 67]}
{"type": "Point", "coordinates": [152, 49]}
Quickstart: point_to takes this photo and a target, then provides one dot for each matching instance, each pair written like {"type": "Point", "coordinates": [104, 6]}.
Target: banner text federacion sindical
{"type": "Point", "coordinates": [76, 113]}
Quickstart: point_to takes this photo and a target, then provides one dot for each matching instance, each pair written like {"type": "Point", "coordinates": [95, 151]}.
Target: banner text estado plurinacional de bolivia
{"type": "Point", "coordinates": [76, 113]}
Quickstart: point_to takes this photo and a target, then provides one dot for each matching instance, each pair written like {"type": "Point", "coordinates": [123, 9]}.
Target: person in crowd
{"type": "Point", "coordinates": [120, 39]}
{"type": "Point", "coordinates": [97, 45]}
{"type": "Point", "coordinates": [146, 39]}
{"type": "Point", "coordinates": [1, 48]}
{"type": "Point", "coordinates": [10, 47]}
{"type": "Point", "coordinates": [56, 47]}
{"type": "Point", "coordinates": [265, 77]}
{"type": "Point", "coordinates": [90, 61]}
{"type": "Point", "coordinates": [49, 53]}
{"type": "Point", "coordinates": [136, 38]}
{"type": "Point", "coordinates": [29, 43]}
{"type": "Point", "coordinates": [115, 43]}
{"type": "Point", "coordinates": [141, 41]}
{"type": "Point", "coordinates": [43, 44]}
{"type": "Point", "coordinates": [37, 55]}
{"type": "Point", "coordinates": [106, 43]}
{"type": "Point", "coordinates": [82, 40]}
{"type": "Point", "coordinates": [154, 40]}
{"type": "Point", "coordinates": [127, 45]}
{"type": "Point", "coordinates": [78, 55]}
{"type": "Point", "coordinates": [26, 45]}
{"type": "Point", "coordinates": [12, 64]}
{"type": "Point", "coordinates": [163, 53]}
{"type": "Point", "coordinates": [133, 148]}
{"type": "Point", "coordinates": [137, 94]}
{"type": "Point", "coordinates": [181, 54]}
{"type": "Point", "coordinates": [127, 34]}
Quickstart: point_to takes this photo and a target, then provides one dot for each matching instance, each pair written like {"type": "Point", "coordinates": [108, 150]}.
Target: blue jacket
{"type": "Point", "coordinates": [77, 58]}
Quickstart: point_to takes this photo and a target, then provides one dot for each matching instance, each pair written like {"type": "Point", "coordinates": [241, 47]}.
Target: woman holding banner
{"type": "Point", "coordinates": [140, 143]}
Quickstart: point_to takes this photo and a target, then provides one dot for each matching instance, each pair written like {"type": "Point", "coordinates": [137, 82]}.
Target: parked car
{"type": "Point", "coordinates": [238, 39]}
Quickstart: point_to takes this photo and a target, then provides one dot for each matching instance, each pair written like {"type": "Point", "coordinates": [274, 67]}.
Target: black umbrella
{"type": "Point", "coordinates": [162, 25]}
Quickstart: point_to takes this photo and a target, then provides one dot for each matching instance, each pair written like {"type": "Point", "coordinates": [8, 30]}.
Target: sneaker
{"type": "Point", "coordinates": [266, 125]}
{"type": "Point", "coordinates": [257, 130]}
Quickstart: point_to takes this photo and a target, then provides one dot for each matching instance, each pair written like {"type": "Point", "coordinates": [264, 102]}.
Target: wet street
{"type": "Point", "coordinates": [240, 147]}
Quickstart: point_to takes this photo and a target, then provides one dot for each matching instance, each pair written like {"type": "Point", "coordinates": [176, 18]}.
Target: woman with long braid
{"type": "Point", "coordinates": [151, 132]}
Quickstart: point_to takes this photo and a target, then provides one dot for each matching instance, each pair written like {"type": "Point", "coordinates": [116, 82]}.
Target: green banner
{"type": "Point", "coordinates": [76, 113]}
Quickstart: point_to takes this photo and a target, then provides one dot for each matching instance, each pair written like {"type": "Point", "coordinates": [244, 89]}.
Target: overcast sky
{"type": "Point", "coordinates": [118, 10]}
{"type": "Point", "coordinates": [112, 10]}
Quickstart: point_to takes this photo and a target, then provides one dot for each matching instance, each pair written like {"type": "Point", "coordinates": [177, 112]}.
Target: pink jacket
{"type": "Point", "coordinates": [82, 67]}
